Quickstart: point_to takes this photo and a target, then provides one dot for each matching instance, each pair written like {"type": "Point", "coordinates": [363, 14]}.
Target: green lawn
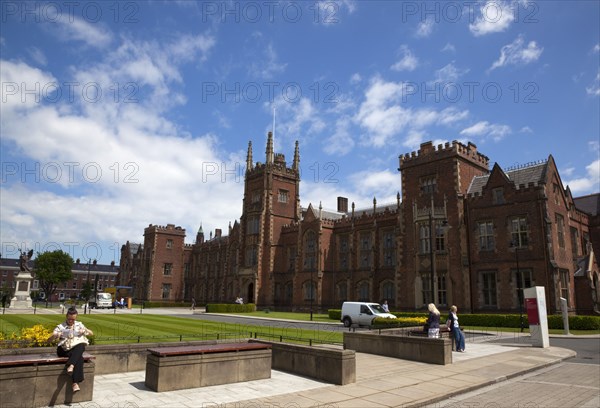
{"type": "Point", "coordinates": [133, 328]}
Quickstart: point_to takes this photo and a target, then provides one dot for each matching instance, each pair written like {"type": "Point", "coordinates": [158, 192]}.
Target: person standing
{"type": "Point", "coordinates": [433, 321]}
{"type": "Point", "coordinates": [457, 334]}
{"type": "Point", "coordinates": [385, 306]}
{"type": "Point", "coordinates": [71, 343]}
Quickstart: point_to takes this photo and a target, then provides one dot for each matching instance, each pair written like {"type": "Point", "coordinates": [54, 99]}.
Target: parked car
{"type": "Point", "coordinates": [362, 313]}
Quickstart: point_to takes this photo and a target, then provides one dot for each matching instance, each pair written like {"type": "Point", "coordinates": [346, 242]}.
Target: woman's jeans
{"type": "Point", "coordinates": [459, 339]}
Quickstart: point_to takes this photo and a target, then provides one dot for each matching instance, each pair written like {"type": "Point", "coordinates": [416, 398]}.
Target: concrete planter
{"type": "Point", "coordinates": [394, 343]}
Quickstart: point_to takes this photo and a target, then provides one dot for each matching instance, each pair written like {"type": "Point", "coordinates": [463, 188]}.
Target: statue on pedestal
{"type": "Point", "coordinates": [24, 279]}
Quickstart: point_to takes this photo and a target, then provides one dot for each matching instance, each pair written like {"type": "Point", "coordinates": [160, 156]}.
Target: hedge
{"type": "Point", "coordinates": [230, 308]}
{"type": "Point", "coordinates": [499, 320]}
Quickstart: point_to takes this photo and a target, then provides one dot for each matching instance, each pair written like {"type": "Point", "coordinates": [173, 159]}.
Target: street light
{"type": "Point", "coordinates": [519, 284]}
{"type": "Point", "coordinates": [312, 294]}
{"type": "Point", "coordinates": [431, 253]}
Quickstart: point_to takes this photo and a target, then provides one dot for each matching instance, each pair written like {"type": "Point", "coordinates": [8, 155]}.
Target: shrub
{"type": "Point", "coordinates": [380, 322]}
{"type": "Point", "coordinates": [230, 308]}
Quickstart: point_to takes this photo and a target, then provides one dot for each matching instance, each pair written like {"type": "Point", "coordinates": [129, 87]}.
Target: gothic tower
{"type": "Point", "coordinates": [271, 200]}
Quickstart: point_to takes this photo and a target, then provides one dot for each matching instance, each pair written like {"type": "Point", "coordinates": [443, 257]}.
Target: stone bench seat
{"type": "Point", "coordinates": [182, 367]}
{"type": "Point", "coordinates": [39, 380]}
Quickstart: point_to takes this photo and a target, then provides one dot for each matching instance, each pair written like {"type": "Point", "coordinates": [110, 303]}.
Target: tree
{"type": "Point", "coordinates": [52, 269]}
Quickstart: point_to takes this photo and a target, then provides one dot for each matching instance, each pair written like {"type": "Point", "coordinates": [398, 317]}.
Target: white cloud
{"type": "Point", "coordinates": [69, 28]}
{"type": "Point", "coordinates": [267, 66]}
{"type": "Point", "coordinates": [37, 55]}
{"type": "Point", "coordinates": [594, 88]}
{"type": "Point", "coordinates": [449, 73]}
{"type": "Point", "coordinates": [449, 47]}
{"type": "Point", "coordinates": [298, 120]}
{"type": "Point", "coordinates": [408, 61]}
{"type": "Point", "coordinates": [589, 182]}
{"type": "Point", "coordinates": [495, 16]}
{"type": "Point", "coordinates": [596, 49]}
{"type": "Point", "coordinates": [18, 79]}
{"type": "Point", "coordinates": [425, 28]}
{"type": "Point", "coordinates": [486, 129]}
{"type": "Point", "coordinates": [355, 78]}
{"type": "Point", "coordinates": [525, 129]}
{"type": "Point", "coordinates": [516, 53]}
{"type": "Point", "coordinates": [374, 182]}
{"type": "Point", "coordinates": [341, 142]}
{"type": "Point", "coordinates": [111, 157]}
{"type": "Point", "coordinates": [383, 116]}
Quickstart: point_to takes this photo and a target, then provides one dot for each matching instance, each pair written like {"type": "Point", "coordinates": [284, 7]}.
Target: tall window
{"type": "Point", "coordinates": [344, 252]}
{"type": "Point", "coordinates": [167, 269]}
{"type": "Point", "coordinates": [498, 196]}
{"type": "Point", "coordinates": [389, 254]}
{"type": "Point", "coordinates": [363, 291]}
{"type": "Point", "coordinates": [309, 290]}
{"type": "Point", "coordinates": [283, 196]}
{"type": "Point", "coordinates": [519, 231]}
{"type": "Point", "coordinates": [424, 238]}
{"type": "Point", "coordinates": [387, 290]}
{"type": "Point", "coordinates": [426, 288]}
{"type": "Point", "coordinates": [292, 252]}
{"type": "Point", "coordinates": [169, 243]}
{"type": "Point", "coordinates": [427, 184]}
{"type": "Point", "coordinates": [310, 251]}
{"type": "Point", "coordinates": [289, 291]}
{"type": "Point", "coordinates": [523, 281]}
{"type": "Point", "coordinates": [564, 284]}
{"type": "Point", "coordinates": [342, 291]}
{"type": "Point", "coordinates": [365, 250]}
{"type": "Point", "coordinates": [560, 230]}
{"type": "Point", "coordinates": [442, 293]}
{"type": "Point", "coordinates": [253, 222]}
{"type": "Point", "coordinates": [166, 290]}
{"type": "Point", "coordinates": [251, 256]}
{"type": "Point", "coordinates": [486, 236]}
{"type": "Point", "coordinates": [575, 242]}
{"type": "Point", "coordinates": [440, 236]}
{"type": "Point", "coordinates": [488, 280]}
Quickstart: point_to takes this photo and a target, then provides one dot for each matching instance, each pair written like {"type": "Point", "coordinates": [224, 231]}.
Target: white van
{"type": "Point", "coordinates": [362, 313]}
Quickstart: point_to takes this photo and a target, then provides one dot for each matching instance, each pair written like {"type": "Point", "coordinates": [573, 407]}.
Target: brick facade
{"type": "Point", "coordinates": [477, 235]}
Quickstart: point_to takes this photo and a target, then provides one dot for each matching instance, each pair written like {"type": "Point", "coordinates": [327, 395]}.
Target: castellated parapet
{"type": "Point", "coordinates": [169, 228]}
{"type": "Point", "coordinates": [429, 152]}
{"type": "Point", "coordinates": [278, 167]}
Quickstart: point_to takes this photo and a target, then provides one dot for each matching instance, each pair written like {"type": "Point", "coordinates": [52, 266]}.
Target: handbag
{"type": "Point", "coordinates": [73, 341]}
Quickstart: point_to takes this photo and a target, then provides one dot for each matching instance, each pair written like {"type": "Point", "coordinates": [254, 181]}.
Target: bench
{"type": "Point", "coordinates": [39, 380]}
{"type": "Point", "coordinates": [182, 367]}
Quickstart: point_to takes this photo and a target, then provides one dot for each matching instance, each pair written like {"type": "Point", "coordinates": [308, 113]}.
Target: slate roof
{"type": "Point", "coordinates": [335, 215]}
{"type": "Point", "coordinates": [589, 204]}
{"type": "Point", "coordinates": [14, 263]}
{"type": "Point", "coordinates": [533, 173]}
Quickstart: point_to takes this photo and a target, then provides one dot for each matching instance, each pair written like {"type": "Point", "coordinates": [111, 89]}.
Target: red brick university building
{"type": "Point", "coordinates": [461, 234]}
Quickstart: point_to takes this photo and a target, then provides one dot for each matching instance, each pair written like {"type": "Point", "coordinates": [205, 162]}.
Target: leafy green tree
{"type": "Point", "coordinates": [52, 269]}
{"type": "Point", "coordinates": [86, 291]}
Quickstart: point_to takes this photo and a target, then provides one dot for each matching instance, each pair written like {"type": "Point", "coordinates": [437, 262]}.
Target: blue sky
{"type": "Point", "coordinates": [117, 115]}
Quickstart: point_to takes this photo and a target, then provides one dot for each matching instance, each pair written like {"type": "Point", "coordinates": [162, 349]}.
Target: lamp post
{"type": "Point", "coordinates": [312, 294]}
{"type": "Point", "coordinates": [431, 259]}
{"type": "Point", "coordinates": [519, 288]}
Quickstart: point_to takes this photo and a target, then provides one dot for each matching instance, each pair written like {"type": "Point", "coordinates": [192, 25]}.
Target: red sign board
{"type": "Point", "coordinates": [532, 311]}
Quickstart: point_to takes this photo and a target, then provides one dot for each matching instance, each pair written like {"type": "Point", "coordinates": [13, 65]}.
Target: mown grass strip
{"type": "Point", "coordinates": [109, 329]}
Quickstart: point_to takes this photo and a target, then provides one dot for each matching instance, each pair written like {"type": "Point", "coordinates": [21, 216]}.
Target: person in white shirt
{"type": "Point", "coordinates": [71, 343]}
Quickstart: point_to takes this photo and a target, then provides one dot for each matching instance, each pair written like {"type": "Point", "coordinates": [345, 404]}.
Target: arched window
{"type": "Point", "coordinates": [310, 251]}
{"type": "Point", "coordinates": [363, 291]}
